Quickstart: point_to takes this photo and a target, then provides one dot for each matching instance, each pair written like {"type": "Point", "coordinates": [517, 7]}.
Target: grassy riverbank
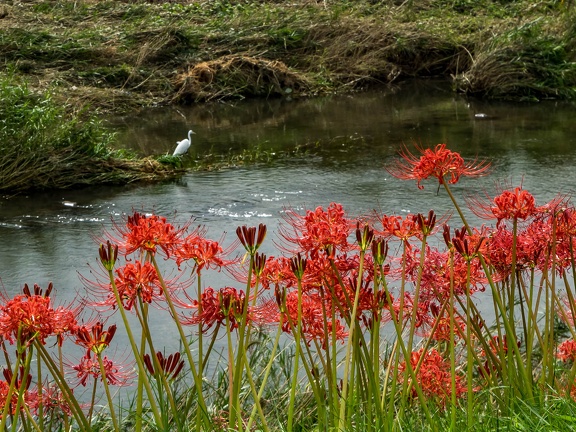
{"type": "Point", "coordinates": [118, 55]}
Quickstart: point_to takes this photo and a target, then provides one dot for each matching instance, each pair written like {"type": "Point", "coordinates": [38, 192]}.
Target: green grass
{"type": "Point", "coordinates": [341, 47]}
{"type": "Point", "coordinates": [45, 145]}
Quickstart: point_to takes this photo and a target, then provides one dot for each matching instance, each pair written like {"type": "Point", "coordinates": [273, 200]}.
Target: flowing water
{"type": "Point", "coordinates": [51, 236]}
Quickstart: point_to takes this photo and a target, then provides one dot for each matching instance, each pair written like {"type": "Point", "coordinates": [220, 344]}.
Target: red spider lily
{"type": "Point", "coordinates": [567, 350]}
{"type": "Point", "coordinates": [344, 297]}
{"type": "Point", "coordinates": [399, 227]}
{"type": "Point", "coordinates": [466, 245]}
{"type": "Point", "coordinates": [277, 271]}
{"type": "Point", "coordinates": [8, 375]}
{"type": "Point", "coordinates": [137, 280]}
{"type": "Point", "coordinates": [406, 306]}
{"type": "Point", "coordinates": [440, 328]}
{"type": "Point", "coordinates": [171, 366]}
{"type": "Point", "coordinates": [4, 390]}
{"type": "Point", "coordinates": [565, 312]}
{"type": "Point", "coordinates": [95, 338]}
{"type": "Point", "coordinates": [147, 233]}
{"type": "Point", "coordinates": [364, 236]}
{"type": "Point", "coordinates": [65, 322]}
{"type": "Point", "coordinates": [205, 253]}
{"type": "Point", "coordinates": [531, 246]}
{"type": "Point", "coordinates": [566, 222]}
{"type": "Point", "coordinates": [89, 367]}
{"type": "Point", "coordinates": [444, 272]}
{"type": "Point", "coordinates": [50, 399]}
{"type": "Point", "coordinates": [434, 377]}
{"type": "Point", "coordinates": [314, 327]}
{"type": "Point", "coordinates": [319, 230]}
{"type": "Point", "coordinates": [30, 317]}
{"type": "Point", "coordinates": [519, 204]}
{"type": "Point", "coordinates": [516, 204]}
{"type": "Point", "coordinates": [438, 163]}
{"type": "Point", "coordinates": [500, 345]}
{"type": "Point", "coordinates": [259, 264]}
{"type": "Point", "coordinates": [217, 307]}
{"type": "Point", "coordinates": [379, 250]}
{"type": "Point", "coordinates": [298, 266]}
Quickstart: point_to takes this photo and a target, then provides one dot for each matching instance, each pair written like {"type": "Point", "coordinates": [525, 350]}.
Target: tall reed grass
{"type": "Point", "coordinates": [369, 323]}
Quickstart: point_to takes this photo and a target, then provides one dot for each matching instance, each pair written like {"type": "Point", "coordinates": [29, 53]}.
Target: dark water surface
{"type": "Point", "coordinates": [50, 237]}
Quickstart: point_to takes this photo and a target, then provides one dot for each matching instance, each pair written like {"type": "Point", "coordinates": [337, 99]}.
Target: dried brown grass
{"type": "Point", "coordinates": [237, 75]}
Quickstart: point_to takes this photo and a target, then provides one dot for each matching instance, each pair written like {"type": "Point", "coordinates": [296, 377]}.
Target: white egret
{"type": "Point", "coordinates": [184, 145]}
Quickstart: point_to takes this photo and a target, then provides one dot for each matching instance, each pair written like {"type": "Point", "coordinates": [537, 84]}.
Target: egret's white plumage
{"type": "Point", "coordinates": [183, 145]}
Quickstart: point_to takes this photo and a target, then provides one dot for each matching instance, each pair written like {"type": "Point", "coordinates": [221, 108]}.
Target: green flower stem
{"type": "Point", "coordinates": [8, 402]}
{"type": "Point", "coordinates": [141, 368]}
{"type": "Point", "coordinates": [267, 370]}
{"type": "Point", "coordinates": [211, 345]}
{"type": "Point", "coordinates": [509, 326]}
{"type": "Point", "coordinates": [63, 385]}
{"type": "Point", "coordinates": [407, 360]}
{"type": "Point", "coordinates": [294, 383]}
{"type": "Point", "coordinates": [107, 391]}
{"type": "Point", "coordinates": [469, 351]}
{"type": "Point", "coordinates": [22, 389]}
{"type": "Point", "coordinates": [255, 395]}
{"type": "Point", "coordinates": [30, 417]}
{"type": "Point", "coordinates": [416, 299]}
{"type": "Point", "coordinates": [307, 368]}
{"type": "Point", "coordinates": [230, 350]}
{"type": "Point", "coordinates": [92, 402]}
{"type": "Point", "coordinates": [41, 390]}
{"type": "Point", "coordinates": [160, 377]}
{"type": "Point", "coordinates": [61, 364]}
{"type": "Point", "coordinates": [361, 341]}
{"type": "Point", "coordinates": [185, 343]}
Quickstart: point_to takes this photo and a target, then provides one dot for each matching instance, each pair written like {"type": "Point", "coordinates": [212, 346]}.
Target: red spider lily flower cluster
{"type": "Point", "coordinates": [320, 229]}
{"type": "Point", "coordinates": [89, 367]}
{"type": "Point", "coordinates": [325, 267]}
{"type": "Point", "coordinates": [434, 376]}
{"type": "Point", "coordinates": [146, 233]}
{"type": "Point", "coordinates": [314, 327]}
{"type": "Point", "coordinates": [516, 204]}
{"type": "Point", "coordinates": [217, 307]}
{"type": "Point", "coordinates": [137, 280]}
{"type": "Point", "coordinates": [50, 399]}
{"type": "Point", "coordinates": [204, 252]}
{"type": "Point", "coordinates": [32, 316]}
{"type": "Point", "coordinates": [439, 163]}
{"type": "Point", "coordinates": [5, 389]}
{"type": "Point", "coordinates": [444, 273]}
{"type": "Point", "coordinates": [567, 350]}
{"type": "Point", "coordinates": [440, 327]}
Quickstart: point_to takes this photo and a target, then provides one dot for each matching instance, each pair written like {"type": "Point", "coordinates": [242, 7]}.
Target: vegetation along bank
{"type": "Point", "coordinates": [120, 56]}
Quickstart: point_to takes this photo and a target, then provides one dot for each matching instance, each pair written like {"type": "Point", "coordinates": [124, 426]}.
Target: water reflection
{"type": "Point", "coordinates": [360, 128]}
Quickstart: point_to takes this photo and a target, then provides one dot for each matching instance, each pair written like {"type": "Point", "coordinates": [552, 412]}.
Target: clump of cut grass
{"type": "Point", "coordinates": [241, 76]}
